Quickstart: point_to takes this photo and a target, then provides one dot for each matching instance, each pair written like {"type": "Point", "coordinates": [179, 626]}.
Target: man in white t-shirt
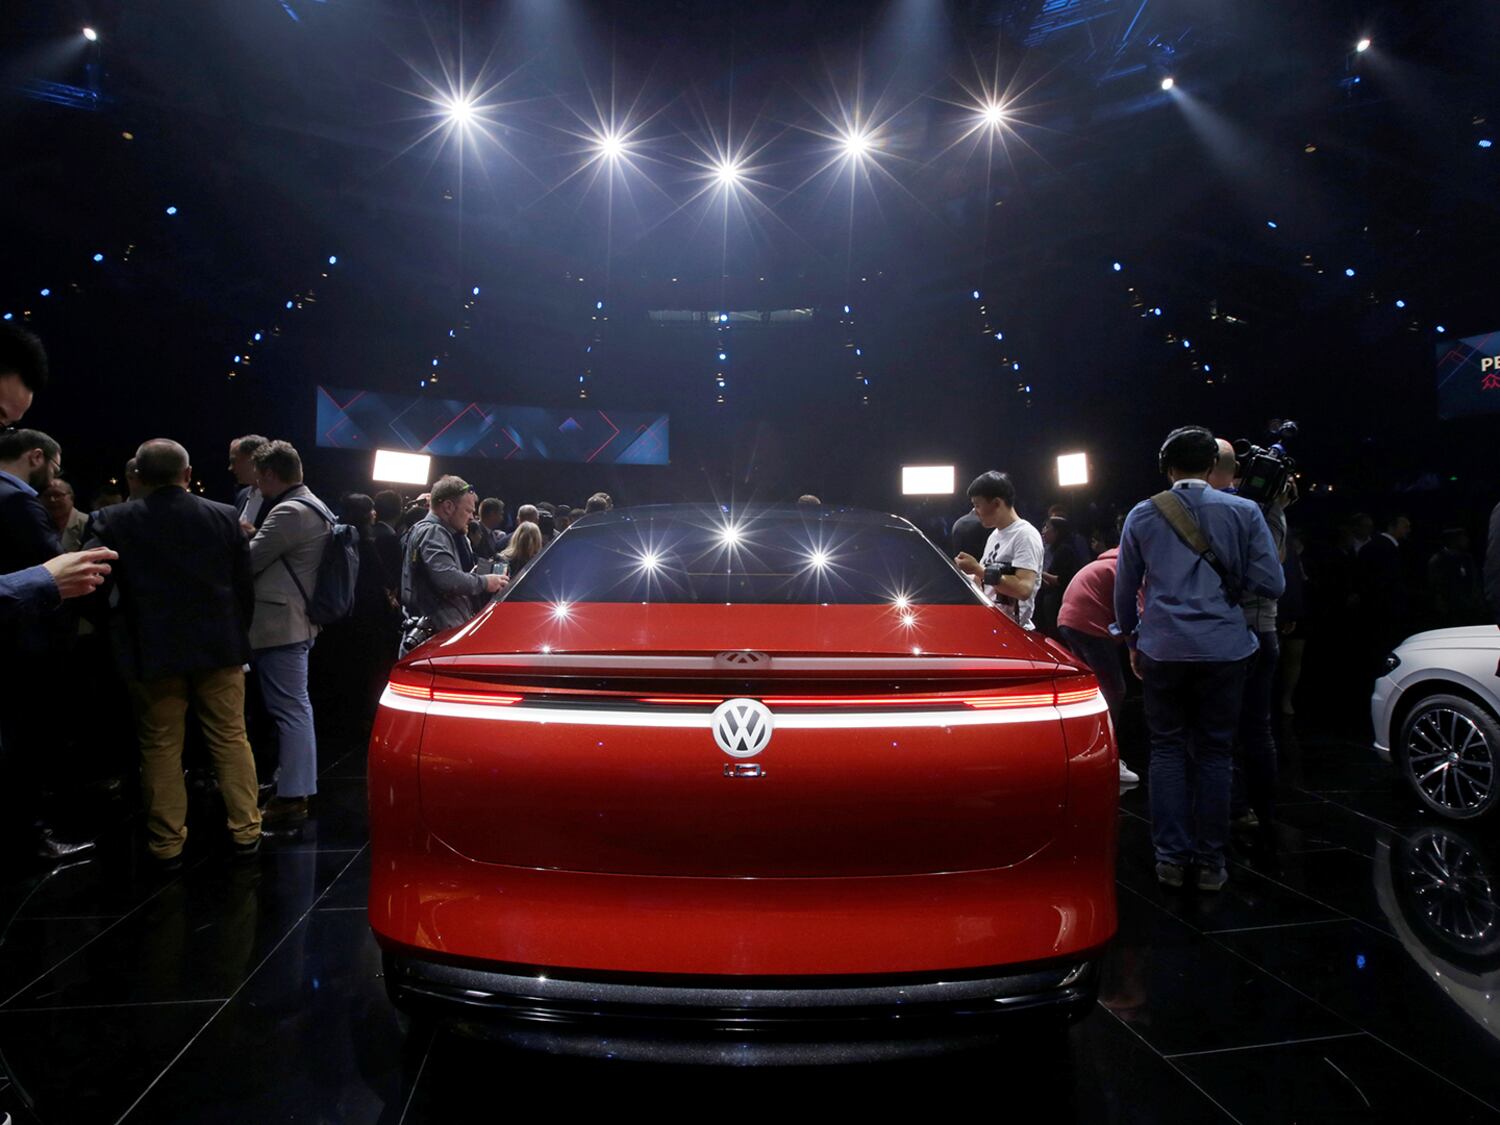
{"type": "Point", "coordinates": [1012, 557]}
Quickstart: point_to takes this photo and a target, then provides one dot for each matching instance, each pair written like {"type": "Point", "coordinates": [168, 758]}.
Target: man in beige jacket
{"type": "Point", "coordinates": [284, 554]}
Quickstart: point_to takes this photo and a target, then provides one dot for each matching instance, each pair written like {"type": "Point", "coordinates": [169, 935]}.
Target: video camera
{"type": "Point", "coordinates": [1265, 470]}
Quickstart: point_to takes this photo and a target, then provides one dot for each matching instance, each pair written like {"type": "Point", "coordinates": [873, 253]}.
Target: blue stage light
{"type": "Point", "coordinates": [1206, 367]}
{"type": "Point", "coordinates": [46, 292]}
{"type": "Point", "coordinates": [476, 291]}
{"type": "Point", "coordinates": [171, 210]}
{"type": "Point", "coordinates": [10, 316]}
{"type": "Point", "coordinates": [1187, 343]}
{"type": "Point", "coordinates": [859, 351]}
{"type": "Point", "coordinates": [580, 378]}
{"type": "Point", "coordinates": [723, 356]}
{"type": "Point", "coordinates": [1400, 304]}
{"type": "Point", "coordinates": [1271, 223]}
{"type": "Point", "coordinates": [976, 294]}
{"type": "Point", "coordinates": [999, 335]}
{"type": "Point", "coordinates": [1486, 143]}
{"type": "Point", "coordinates": [333, 259]}
{"type": "Point", "coordinates": [1117, 267]}
{"type": "Point", "coordinates": [424, 382]}
{"type": "Point", "coordinates": [1028, 388]}
{"type": "Point", "coordinates": [434, 361]}
{"type": "Point", "coordinates": [1016, 366]}
{"type": "Point", "coordinates": [452, 333]}
{"type": "Point", "coordinates": [846, 309]}
{"type": "Point", "coordinates": [1349, 272]}
{"type": "Point", "coordinates": [91, 35]}
{"type": "Point", "coordinates": [257, 337]}
{"type": "Point", "coordinates": [98, 257]}
{"type": "Point", "coordinates": [289, 304]}
{"type": "Point", "coordinates": [1156, 311]}
{"type": "Point", "coordinates": [1441, 329]}
{"type": "Point", "coordinates": [598, 304]}
{"type": "Point", "coordinates": [236, 359]}
{"type": "Point", "coordinates": [723, 318]}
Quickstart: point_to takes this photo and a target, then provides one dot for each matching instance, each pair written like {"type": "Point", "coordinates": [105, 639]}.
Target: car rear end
{"type": "Point", "coordinates": [743, 814]}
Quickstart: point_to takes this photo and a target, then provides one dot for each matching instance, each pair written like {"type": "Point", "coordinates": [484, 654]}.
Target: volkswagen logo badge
{"type": "Point", "coordinates": [742, 727]}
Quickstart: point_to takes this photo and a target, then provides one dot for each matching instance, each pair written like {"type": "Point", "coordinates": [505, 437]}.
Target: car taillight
{"type": "Point", "coordinates": [419, 685]}
{"type": "Point", "coordinates": [1077, 689]}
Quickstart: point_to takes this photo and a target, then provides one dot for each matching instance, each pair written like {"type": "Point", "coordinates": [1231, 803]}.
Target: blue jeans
{"type": "Point", "coordinates": [283, 685]}
{"type": "Point", "coordinates": [1192, 709]}
{"type": "Point", "coordinates": [1255, 745]}
{"type": "Point", "coordinates": [1102, 655]}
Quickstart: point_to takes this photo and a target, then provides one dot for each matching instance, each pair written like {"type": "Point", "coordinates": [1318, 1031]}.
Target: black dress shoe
{"type": "Point", "coordinates": [50, 847]}
{"type": "Point", "coordinates": [245, 851]}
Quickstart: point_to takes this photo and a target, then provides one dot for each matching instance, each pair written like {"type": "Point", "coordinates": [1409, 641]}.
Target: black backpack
{"type": "Point", "coordinates": [338, 571]}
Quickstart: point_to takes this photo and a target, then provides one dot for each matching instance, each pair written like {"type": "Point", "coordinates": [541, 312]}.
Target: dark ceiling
{"type": "Point", "coordinates": [286, 131]}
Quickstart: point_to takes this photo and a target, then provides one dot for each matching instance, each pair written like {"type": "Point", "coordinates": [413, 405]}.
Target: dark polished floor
{"type": "Point", "coordinates": [1354, 981]}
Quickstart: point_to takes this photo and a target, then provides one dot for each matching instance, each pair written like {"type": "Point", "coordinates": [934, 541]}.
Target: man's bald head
{"type": "Point", "coordinates": [1223, 473]}
{"type": "Point", "coordinates": [162, 462]}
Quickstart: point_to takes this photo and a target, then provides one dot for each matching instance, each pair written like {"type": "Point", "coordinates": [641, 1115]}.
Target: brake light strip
{"type": "Point", "coordinates": [786, 720]}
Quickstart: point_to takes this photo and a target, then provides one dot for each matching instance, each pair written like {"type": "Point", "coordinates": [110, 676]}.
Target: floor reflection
{"type": "Point", "coordinates": [1359, 968]}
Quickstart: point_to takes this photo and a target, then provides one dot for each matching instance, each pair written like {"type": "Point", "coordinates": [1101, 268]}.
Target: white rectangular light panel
{"type": "Point", "coordinates": [927, 480]}
{"type": "Point", "coordinates": [394, 467]}
{"type": "Point", "coordinates": [1072, 469]}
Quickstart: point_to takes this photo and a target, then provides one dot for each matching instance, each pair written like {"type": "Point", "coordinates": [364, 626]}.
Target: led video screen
{"type": "Point", "coordinates": [353, 419]}
{"type": "Point", "coordinates": [1468, 376]}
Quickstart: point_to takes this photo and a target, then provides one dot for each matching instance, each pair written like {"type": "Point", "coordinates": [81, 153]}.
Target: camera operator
{"type": "Point", "coordinates": [1195, 552]}
{"type": "Point", "coordinates": [1253, 795]}
{"type": "Point", "coordinates": [1012, 557]}
{"type": "Point", "coordinates": [440, 587]}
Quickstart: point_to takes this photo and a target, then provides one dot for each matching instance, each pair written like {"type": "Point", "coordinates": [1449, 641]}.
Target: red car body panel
{"type": "Point", "coordinates": [881, 837]}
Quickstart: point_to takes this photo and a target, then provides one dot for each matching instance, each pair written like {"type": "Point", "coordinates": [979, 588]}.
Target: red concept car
{"type": "Point", "coordinates": [754, 770]}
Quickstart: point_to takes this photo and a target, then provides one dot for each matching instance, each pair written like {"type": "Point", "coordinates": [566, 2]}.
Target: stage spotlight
{"type": "Point", "coordinates": [460, 111]}
{"type": "Point", "coordinates": [723, 356]}
{"type": "Point", "coordinates": [1400, 304]}
{"type": "Point", "coordinates": [171, 210]}
{"type": "Point", "coordinates": [611, 146]}
{"type": "Point", "coordinates": [48, 293]}
{"type": "Point", "coordinates": [993, 114]}
{"type": "Point", "coordinates": [1486, 143]}
{"type": "Point", "coordinates": [1271, 223]}
{"type": "Point", "coordinates": [727, 173]}
{"type": "Point", "coordinates": [257, 337]}
{"type": "Point", "coordinates": [1363, 45]}
{"type": "Point", "coordinates": [1441, 330]}
{"type": "Point", "coordinates": [857, 144]}
{"type": "Point", "coordinates": [976, 294]}
{"type": "Point", "coordinates": [1168, 82]}
{"type": "Point", "coordinates": [1349, 272]}
{"type": "Point", "coordinates": [927, 480]}
{"type": "Point", "coordinates": [1117, 267]}
{"type": "Point", "coordinates": [98, 257]}
{"type": "Point", "coordinates": [91, 35]}
{"type": "Point", "coordinates": [333, 259]}
{"type": "Point", "coordinates": [475, 291]}
{"type": "Point", "coordinates": [393, 466]}
{"type": "Point", "coordinates": [1072, 470]}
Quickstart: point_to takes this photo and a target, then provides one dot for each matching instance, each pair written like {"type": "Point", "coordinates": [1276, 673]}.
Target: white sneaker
{"type": "Point", "coordinates": [1128, 776]}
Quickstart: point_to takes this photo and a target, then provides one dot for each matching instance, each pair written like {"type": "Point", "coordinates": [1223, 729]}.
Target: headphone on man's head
{"type": "Point", "coordinates": [1200, 434]}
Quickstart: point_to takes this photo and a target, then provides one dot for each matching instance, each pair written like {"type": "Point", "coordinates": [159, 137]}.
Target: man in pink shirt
{"type": "Point", "coordinates": [1083, 623]}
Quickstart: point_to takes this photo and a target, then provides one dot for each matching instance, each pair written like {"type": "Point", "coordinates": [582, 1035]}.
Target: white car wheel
{"type": "Point", "coordinates": [1449, 750]}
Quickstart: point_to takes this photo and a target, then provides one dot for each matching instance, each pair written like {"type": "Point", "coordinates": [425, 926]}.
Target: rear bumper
{"type": "Point", "coordinates": [758, 1022]}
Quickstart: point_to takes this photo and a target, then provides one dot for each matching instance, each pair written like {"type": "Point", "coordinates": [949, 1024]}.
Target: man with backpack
{"type": "Point", "coordinates": [440, 586]}
{"type": "Point", "coordinates": [286, 555]}
{"type": "Point", "coordinates": [1196, 551]}
{"type": "Point", "coordinates": [179, 635]}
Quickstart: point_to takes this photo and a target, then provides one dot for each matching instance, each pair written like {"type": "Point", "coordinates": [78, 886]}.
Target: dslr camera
{"type": "Point", "coordinates": [1264, 470]}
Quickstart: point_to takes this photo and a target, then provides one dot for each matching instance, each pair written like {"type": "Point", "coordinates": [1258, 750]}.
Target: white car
{"type": "Point", "coordinates": [1435, 713]}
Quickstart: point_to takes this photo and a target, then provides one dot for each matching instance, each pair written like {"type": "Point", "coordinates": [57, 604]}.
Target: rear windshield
{"type": "Point", "coordinates": [782, 560]}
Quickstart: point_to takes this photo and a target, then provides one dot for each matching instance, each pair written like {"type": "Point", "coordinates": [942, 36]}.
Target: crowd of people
{"type": "Point", "coordinates": [177, 605]}
{"type": "Point", "coordinates": [1210, 599]}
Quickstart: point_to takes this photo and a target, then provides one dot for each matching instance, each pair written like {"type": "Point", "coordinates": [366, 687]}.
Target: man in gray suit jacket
{"type": "Point", "coordinates": [284, 554]}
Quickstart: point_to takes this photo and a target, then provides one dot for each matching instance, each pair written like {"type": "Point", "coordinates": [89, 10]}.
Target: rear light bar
{"type": "Point", "coordinates": [1072, 690]}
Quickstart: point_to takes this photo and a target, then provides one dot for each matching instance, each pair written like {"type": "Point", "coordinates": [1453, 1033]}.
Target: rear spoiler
{"type": "Point", "coordinates": [757, 664]}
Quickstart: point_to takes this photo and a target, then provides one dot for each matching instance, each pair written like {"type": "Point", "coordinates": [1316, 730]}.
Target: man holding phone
{"type": "Point", "coordinates": [1013, 555]}
{"type": "Point", "coordinates": [441, 587]}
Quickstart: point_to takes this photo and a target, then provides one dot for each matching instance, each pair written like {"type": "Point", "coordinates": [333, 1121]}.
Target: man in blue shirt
{"type": "Point", "coordinates": [1178, 609]}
